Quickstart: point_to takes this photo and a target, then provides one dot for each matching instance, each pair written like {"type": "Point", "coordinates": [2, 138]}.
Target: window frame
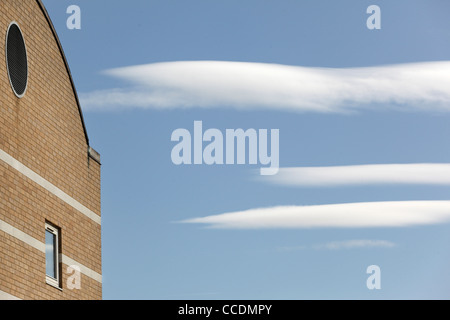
{"type": "Point", "coordinates": [55, 282]}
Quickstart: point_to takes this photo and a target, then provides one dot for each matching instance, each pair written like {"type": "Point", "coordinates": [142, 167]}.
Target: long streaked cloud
{"type": "Point", "coordinates": [417, 173]}
{"type": "Point", "coordinates": [348, 215]}
{"type": "Point", "coordinates": [355, 244]}
{"type": "Point", "coordinates": [246, 85]}
{"type": "Point", "coordinates": [342, 245]}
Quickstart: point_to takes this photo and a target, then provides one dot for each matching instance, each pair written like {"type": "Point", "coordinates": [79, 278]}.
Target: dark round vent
{"type": "Point", "coordinates": [16, 58]}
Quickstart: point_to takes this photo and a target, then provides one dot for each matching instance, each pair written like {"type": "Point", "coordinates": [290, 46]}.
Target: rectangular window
{"type": "Point", "coordinates": [52, 254]}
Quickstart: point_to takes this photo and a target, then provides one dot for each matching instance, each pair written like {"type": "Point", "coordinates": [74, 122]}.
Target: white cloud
{"type": "Point", "coordinates": [245, 85]}
{"type": "Point", "coordinates": [343, 245]}
{"type": "Point", "coordinates": [418, 173]}
{"type": "Point", "coordinates": [349, 215]}
{"type": "Point", "coordinates": [355, 244]}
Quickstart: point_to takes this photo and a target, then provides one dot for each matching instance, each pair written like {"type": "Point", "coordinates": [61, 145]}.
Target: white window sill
{"type": "Point", "coordinates": [52, 282]}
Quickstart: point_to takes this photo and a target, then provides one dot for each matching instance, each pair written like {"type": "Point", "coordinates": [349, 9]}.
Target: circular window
{"type": "Point", "coordinates": [16, 60]}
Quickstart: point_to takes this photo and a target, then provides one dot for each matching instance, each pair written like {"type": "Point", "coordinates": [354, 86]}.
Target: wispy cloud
{"type": "Point", "coordinates": [419, 173]}
{"type": "Point", "coordinates": [245, 85]}
{"type": "Point", "coordinates": [348, 215]}
{"type": "Point", "coordinates": [343, 245]}
{"type": "Point", "coordinates": [355, 244]}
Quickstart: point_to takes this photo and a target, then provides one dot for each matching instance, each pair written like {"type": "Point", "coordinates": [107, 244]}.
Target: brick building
{"type": "Point", "coordinates": [50, 225]}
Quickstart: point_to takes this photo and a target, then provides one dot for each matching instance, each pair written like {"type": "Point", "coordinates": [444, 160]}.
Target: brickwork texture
{"type": "Point", "coordinates": [45, 132]}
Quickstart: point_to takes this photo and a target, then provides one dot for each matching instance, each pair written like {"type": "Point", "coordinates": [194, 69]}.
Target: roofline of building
{"type": "Point", "coordinates": [50, 23]}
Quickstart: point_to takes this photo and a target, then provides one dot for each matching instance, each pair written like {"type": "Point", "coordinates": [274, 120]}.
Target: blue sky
{"type": "Point", "coordinates": [386, 102]}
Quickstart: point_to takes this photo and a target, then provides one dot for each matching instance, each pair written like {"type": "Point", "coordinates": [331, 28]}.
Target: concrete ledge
{"type": "Point", "coordinates": [7, 296]}
{"type": "Point", "coordinates": [94, 155]}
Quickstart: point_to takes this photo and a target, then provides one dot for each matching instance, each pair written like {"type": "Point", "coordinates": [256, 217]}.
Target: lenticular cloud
{"type": "Point", "coordinates": [375, 174]}
{"type": "Point", "coordinates": [245, 85]}
{"type": "Point", "coordinates": [348, 215]}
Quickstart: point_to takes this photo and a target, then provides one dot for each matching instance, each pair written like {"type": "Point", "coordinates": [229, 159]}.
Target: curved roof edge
{"type": "Point", "coordinates": [50, 23]}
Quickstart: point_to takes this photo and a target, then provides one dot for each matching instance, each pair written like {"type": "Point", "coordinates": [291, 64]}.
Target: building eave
{"type": "Point", "coordinates": [55, 35]}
